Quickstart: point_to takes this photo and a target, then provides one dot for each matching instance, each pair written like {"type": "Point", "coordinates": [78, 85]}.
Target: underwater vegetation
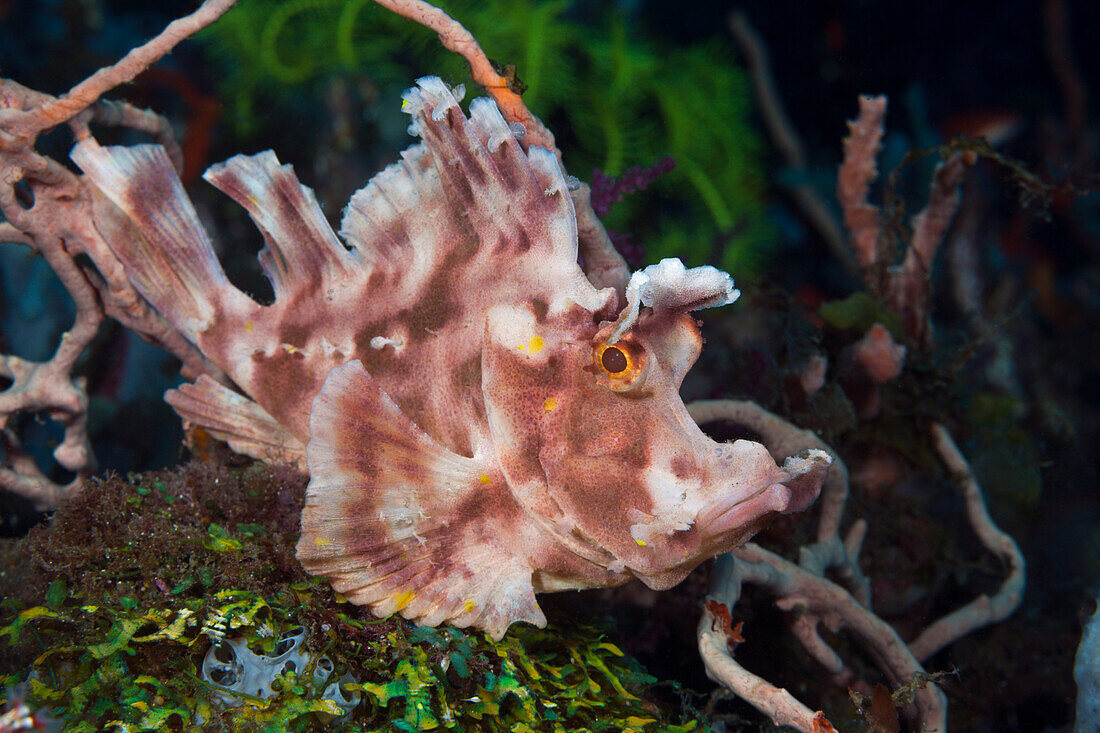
{"type": "Point", "coordinates": [614, 99]}
{"type": "Point", "coordinates": [111, 612]}
{"type": "Point", "coordinates": [142, 576]}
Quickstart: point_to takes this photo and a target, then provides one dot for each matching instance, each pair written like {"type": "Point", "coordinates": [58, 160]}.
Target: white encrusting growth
{"type": "Point", "coordinates": [381, 342]}
{"type": "Point", "coordinates": [669, 286]}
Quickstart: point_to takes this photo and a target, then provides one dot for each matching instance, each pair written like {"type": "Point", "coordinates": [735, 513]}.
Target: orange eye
{"type": "Point", "coordinates": [621, 363]}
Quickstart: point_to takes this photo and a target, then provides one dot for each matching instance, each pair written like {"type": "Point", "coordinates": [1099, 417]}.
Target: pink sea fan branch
{"type": "Point", "coordinates": [49, 209]}
{"type": "Point", "coordinates": [803, 587]}
{"type": "Point", "coordinates": [857, 173]}
{"type": "Point", "coordinates": [905, 287]}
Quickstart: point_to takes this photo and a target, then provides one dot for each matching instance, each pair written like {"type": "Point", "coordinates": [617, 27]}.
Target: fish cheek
{"type": "Point", "coordinates": [594, 455]}
{"type": "Point", "coordinates": [515, 393]}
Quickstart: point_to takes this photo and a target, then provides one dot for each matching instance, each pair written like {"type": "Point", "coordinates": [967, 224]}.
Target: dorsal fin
{"type": "Point", "coordinates": [166, 252]}
{"type": "Point", "coordinates": [401, 524]}
{"type": "Point", "coordinates": [301, 246]}
{"type": "Point", "coordinates": [468, 193]}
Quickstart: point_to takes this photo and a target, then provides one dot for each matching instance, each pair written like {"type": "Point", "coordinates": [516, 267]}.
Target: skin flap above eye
{"type": "Point", "coordinates": [669, 286]}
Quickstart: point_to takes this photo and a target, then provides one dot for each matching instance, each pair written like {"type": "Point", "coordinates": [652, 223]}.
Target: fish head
{"type": "Point", "coordinates": [594, 439]}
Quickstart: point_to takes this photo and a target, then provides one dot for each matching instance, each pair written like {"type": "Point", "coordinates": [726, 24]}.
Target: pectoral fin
{"type": "Point", "coordinates": [401, 524]}
{"type": "Point", "coordinates": [234, 418]}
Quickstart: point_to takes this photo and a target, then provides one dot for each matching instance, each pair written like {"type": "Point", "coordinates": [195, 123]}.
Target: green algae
{"type": "Point", "coordinates": [613, 97]}
{"type": "Point", "coordinates": [109, 610]}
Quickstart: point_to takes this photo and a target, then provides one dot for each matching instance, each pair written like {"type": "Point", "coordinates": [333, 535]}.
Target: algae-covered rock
{"type": "Point", "coordinates": [111, 609]}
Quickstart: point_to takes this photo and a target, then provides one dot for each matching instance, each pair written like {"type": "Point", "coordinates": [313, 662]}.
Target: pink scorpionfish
{"type": "Point", "coordinates": [479, 422]}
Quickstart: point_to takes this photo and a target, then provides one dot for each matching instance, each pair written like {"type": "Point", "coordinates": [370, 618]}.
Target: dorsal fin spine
{"type": "Point", "coordinates": [301, 247]}
{"type": "Point", "coordinates": [168, 256]}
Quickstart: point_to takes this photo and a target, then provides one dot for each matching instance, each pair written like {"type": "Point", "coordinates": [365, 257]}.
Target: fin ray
{"type": "Point", "coordinates": [301, 246]}
{"type": "Point", "coordinates": [237, 420]}
{"type": "Point", "coordinates": [167, 253]}
{"type": "Point", "coordinates": [401, 524]}
{"type": "Point", "coordinates": [469, 188]}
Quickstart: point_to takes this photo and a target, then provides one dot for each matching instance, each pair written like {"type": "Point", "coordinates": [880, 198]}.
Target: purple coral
{"type": "Point", "coordinates": [608, 190]}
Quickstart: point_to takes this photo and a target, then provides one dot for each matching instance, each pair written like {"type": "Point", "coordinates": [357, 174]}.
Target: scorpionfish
{"type": "Point", "coordinates": [479, 422]}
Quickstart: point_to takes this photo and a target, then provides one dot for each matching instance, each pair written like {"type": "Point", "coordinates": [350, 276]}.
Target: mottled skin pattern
{"type": "Point", "coordinates": [423, 267]}
{"type": "Point", "coordinates": [614, 466]}
{"type": "Point", "coordinates": [482, 423]}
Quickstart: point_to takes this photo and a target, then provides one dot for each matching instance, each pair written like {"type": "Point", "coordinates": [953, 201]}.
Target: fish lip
{"type": "Point", "coordinates": [793, 488]}
{"type": "Point", "coordinates": [735, 512]}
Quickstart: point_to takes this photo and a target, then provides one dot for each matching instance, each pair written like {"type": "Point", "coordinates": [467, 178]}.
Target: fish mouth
{"type": "Point", "coordinates": [739, 512]}
{"type": "Point", "coordinates": [795, 487]}
{"type": "Point", "coordinates": [722, 525]}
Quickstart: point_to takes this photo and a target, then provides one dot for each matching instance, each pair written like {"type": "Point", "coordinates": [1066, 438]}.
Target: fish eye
{"type": "Point", "coordinates": [621, 363]}
{"type": "Point", "coordinates": [614, 360]}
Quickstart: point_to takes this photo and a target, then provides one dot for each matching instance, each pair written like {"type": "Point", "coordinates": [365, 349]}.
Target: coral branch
{"type": "Point", "coordinates": [122, 114]}
{"type": "Point", "coordinates": [603, 264]}
{"type": "Point", "coordinates": [905, 288]}
{"type": "Point", "coordinates": [454, 37]}
{"type": "Point", "coordinates": [983, 610]}
{"type": "Point", "coordinates": [804, 587]}
{"type": "Point", "coordinates": [8, 233]}
{"type": "Point", "coordinates": [909, 285]}
{"type": "Point", "coordinates": [55, 220]}
{"type": "Point", "coordinates": [817, 600]}
{"type": "Point", "coordinates": [30, 123]}
{"type": "Point", "coordinates": [855, 177]}
{"type": "Point", "coordinates": [780, 706]}
{"type": "Point", "coordinates": [48, 387]}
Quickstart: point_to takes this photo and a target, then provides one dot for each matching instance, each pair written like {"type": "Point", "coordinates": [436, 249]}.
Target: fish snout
{"type": "Point", "coordinates": [759, 487]}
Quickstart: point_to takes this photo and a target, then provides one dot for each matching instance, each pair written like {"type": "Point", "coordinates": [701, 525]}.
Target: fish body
{"type": "Point", "coordinates": [479, 422]}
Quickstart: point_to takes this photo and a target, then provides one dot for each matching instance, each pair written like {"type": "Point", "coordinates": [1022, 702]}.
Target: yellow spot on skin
{"type": "Point", "coordinates": [322, 541]}
{"type": "Point", "coordinates": [468, 606]}
{"type": "Point", "coordinates": [484, 478]}
{"type": "Point", "coordinates": [404, 104]}
{"type": "Point", "coordinates": [640, 543]}
{"type": "Point", "coordinates": [536, 343]}
{"type": "Point", "coordinates": [249, 325]}
{"type": "Point", "coordinates": [550, 404]}
{"type": "Point", "coordinates": [403, 599]}
{"type": "Point", "coordinates": [290, 348]}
